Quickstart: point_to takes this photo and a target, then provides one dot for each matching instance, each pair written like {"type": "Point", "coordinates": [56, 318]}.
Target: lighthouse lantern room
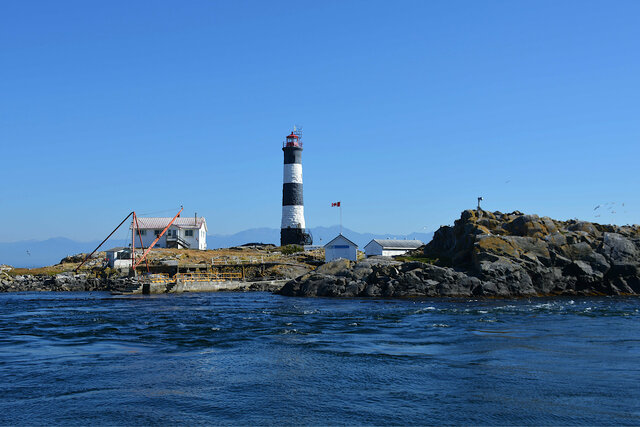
{"type": "Point", "coordinates": [294, 139]}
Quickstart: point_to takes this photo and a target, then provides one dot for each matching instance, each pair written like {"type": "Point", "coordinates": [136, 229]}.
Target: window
{"type": "Point", "coordinates": [188, 233]}
{"type": "Point", "coordinates": [157, 232]}
{"type": "Point", "coordinates": [143, 232]}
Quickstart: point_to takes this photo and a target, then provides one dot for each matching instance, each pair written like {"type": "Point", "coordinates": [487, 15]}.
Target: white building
{"type": "Point", "coordinates": [390, 247]}
{"type": "Point", "coordinates": [119, 257]}
{"type": "Point", "coordinates": [340, 247]}
{"type": "Point", "coordinates": [185, 232]}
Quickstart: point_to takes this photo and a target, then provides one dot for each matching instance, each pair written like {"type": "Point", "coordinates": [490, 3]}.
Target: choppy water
{"type": "Point", "coordinates": [256, 358]}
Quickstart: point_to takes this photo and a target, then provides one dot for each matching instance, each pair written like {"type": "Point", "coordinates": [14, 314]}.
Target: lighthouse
{"type": "Point", "coordinates": [292, 230]}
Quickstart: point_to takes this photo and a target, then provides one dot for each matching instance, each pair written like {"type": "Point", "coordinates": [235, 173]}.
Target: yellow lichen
{"type": "Point", "coordinates": [497, 245]}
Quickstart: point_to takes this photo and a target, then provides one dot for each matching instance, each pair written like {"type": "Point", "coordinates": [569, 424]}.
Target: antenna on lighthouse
{"type": "Point", "coordinates": [297, 131]}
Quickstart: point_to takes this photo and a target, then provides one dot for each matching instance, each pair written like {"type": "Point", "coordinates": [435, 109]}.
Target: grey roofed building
{"type": "Point", "coordinates": [180, 222]}
{"type": "Point", "coordinates": [341, 236]}
{"type": "Point", "coordinates": [390, 247]}
{"type": "Point", "coordinates": [119, 256]}
{"type": "Point", "coordinates": [398, 243]}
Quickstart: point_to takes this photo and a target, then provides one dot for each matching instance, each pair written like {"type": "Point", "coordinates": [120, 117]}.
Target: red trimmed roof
{"type": "Point", "coordinates": [181, 222]}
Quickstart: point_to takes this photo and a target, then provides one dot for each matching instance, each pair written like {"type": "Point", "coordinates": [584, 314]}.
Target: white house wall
{"type": "Point", "coordinates": [203, 240]}
{"type": "Point", "coordinates": [340, 247]}
{"type": "Point", "coordinates": [122, 263]}
{"type": "Point", "coordinates": [331, 253]}
{"type": "Point", "coordinates": [149, 237]}
{"type": "Point", "coordinates": [394, 252]}
{"type": "Point", "coordinates": [197, 241]}
{"type": "Point", "coordinates": [193, 241]}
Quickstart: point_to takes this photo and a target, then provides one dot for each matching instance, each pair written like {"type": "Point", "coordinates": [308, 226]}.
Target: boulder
{"type": "Point", "coordinates": [527, 225]}
{"type": "Point", "coordinates": [618, 249]}
{"type": "Point", "coordinates": [335, 267]}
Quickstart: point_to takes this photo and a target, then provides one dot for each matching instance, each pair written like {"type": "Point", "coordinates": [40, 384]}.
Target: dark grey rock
{"type": "Point", "coordinates": [618, 248]}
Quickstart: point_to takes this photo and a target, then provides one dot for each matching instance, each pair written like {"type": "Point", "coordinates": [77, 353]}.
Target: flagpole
{"type": "Point", "coordinates": [338, 205]}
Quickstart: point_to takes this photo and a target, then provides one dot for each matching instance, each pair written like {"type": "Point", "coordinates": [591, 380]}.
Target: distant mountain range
{"type": "Point", "coordinates": [321, 235]}
{"type": "Point", "coordinates": [38, 253]}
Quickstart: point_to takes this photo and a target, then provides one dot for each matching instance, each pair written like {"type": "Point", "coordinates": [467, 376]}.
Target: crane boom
{"type": "Point", "coordinates": [157, 238]}
{"type": "Point", "coordinates": [94, 251]}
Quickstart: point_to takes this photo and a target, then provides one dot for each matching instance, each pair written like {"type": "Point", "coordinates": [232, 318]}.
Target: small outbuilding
{"type": "Point", "coordinates": [390, 247]}
{"type": "Point", "coordinates": [119, 257]}
{"type": "Point", "coordinates": [340, 247]}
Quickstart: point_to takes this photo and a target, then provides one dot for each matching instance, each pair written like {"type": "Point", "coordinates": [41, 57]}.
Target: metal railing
{"type": "Point", "coordinates": [286, 144]}
{"type": "Point", "coordinates": [180, 240]}
{"type": "Point", "coordinates": [251, 260]}
{"type": "Point", "coordinates": [206, 277]}
{"type": "Point", "coordinates": [156, 278]}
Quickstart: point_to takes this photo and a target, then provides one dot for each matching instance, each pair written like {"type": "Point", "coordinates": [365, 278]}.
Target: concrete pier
{"type": "Point", "coordinates": [206, 286]}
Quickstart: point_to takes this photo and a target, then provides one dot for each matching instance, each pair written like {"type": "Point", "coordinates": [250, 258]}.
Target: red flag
{"type": "Point", "coordinates": [336, 204]}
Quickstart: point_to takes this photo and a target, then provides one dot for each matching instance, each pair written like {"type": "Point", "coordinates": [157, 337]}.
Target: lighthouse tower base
{"type": "Point", "coordinates": [294, 236]}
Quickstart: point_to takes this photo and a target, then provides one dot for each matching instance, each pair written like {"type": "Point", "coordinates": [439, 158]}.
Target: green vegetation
{"type": "Point", "coordinates": [424, 260]}
{"type": "Point", "coordinates": [291, 249]}
{"type": "Point", "coordinates": [42, 271]}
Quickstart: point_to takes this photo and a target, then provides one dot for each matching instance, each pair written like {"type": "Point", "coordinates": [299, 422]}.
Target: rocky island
{"type": "Point", "coordinates": [493, 254]}
{"type": "Point", "coordinates": [484, 254]}
{"type": "Point", "coordinates": [261, 268]}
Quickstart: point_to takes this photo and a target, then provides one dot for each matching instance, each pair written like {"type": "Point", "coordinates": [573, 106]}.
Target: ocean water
{"type": "Point", "coordinates": [261, 359]}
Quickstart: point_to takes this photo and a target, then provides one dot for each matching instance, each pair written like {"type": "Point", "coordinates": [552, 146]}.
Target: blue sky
{"type": "Point", "coordinates": [410, 111]}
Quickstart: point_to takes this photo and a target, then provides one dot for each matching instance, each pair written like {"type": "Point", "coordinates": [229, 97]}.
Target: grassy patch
{"type": "Point", "coordinates": [416, 258]}
{"type": "Point", "coordinates": [189, 256]}
{"type": "Point", "coordinates": [42, 271]}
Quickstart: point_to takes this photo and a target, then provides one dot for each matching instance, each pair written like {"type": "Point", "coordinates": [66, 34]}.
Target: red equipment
{"type": "Point", "coordinates": [134, 226]}
{"type": "Point", "coordinates": [157, 238]}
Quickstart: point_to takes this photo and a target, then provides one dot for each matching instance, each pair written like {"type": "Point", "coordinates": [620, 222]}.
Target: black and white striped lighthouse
{"type": "Point", "coordinates": [292, 230]}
